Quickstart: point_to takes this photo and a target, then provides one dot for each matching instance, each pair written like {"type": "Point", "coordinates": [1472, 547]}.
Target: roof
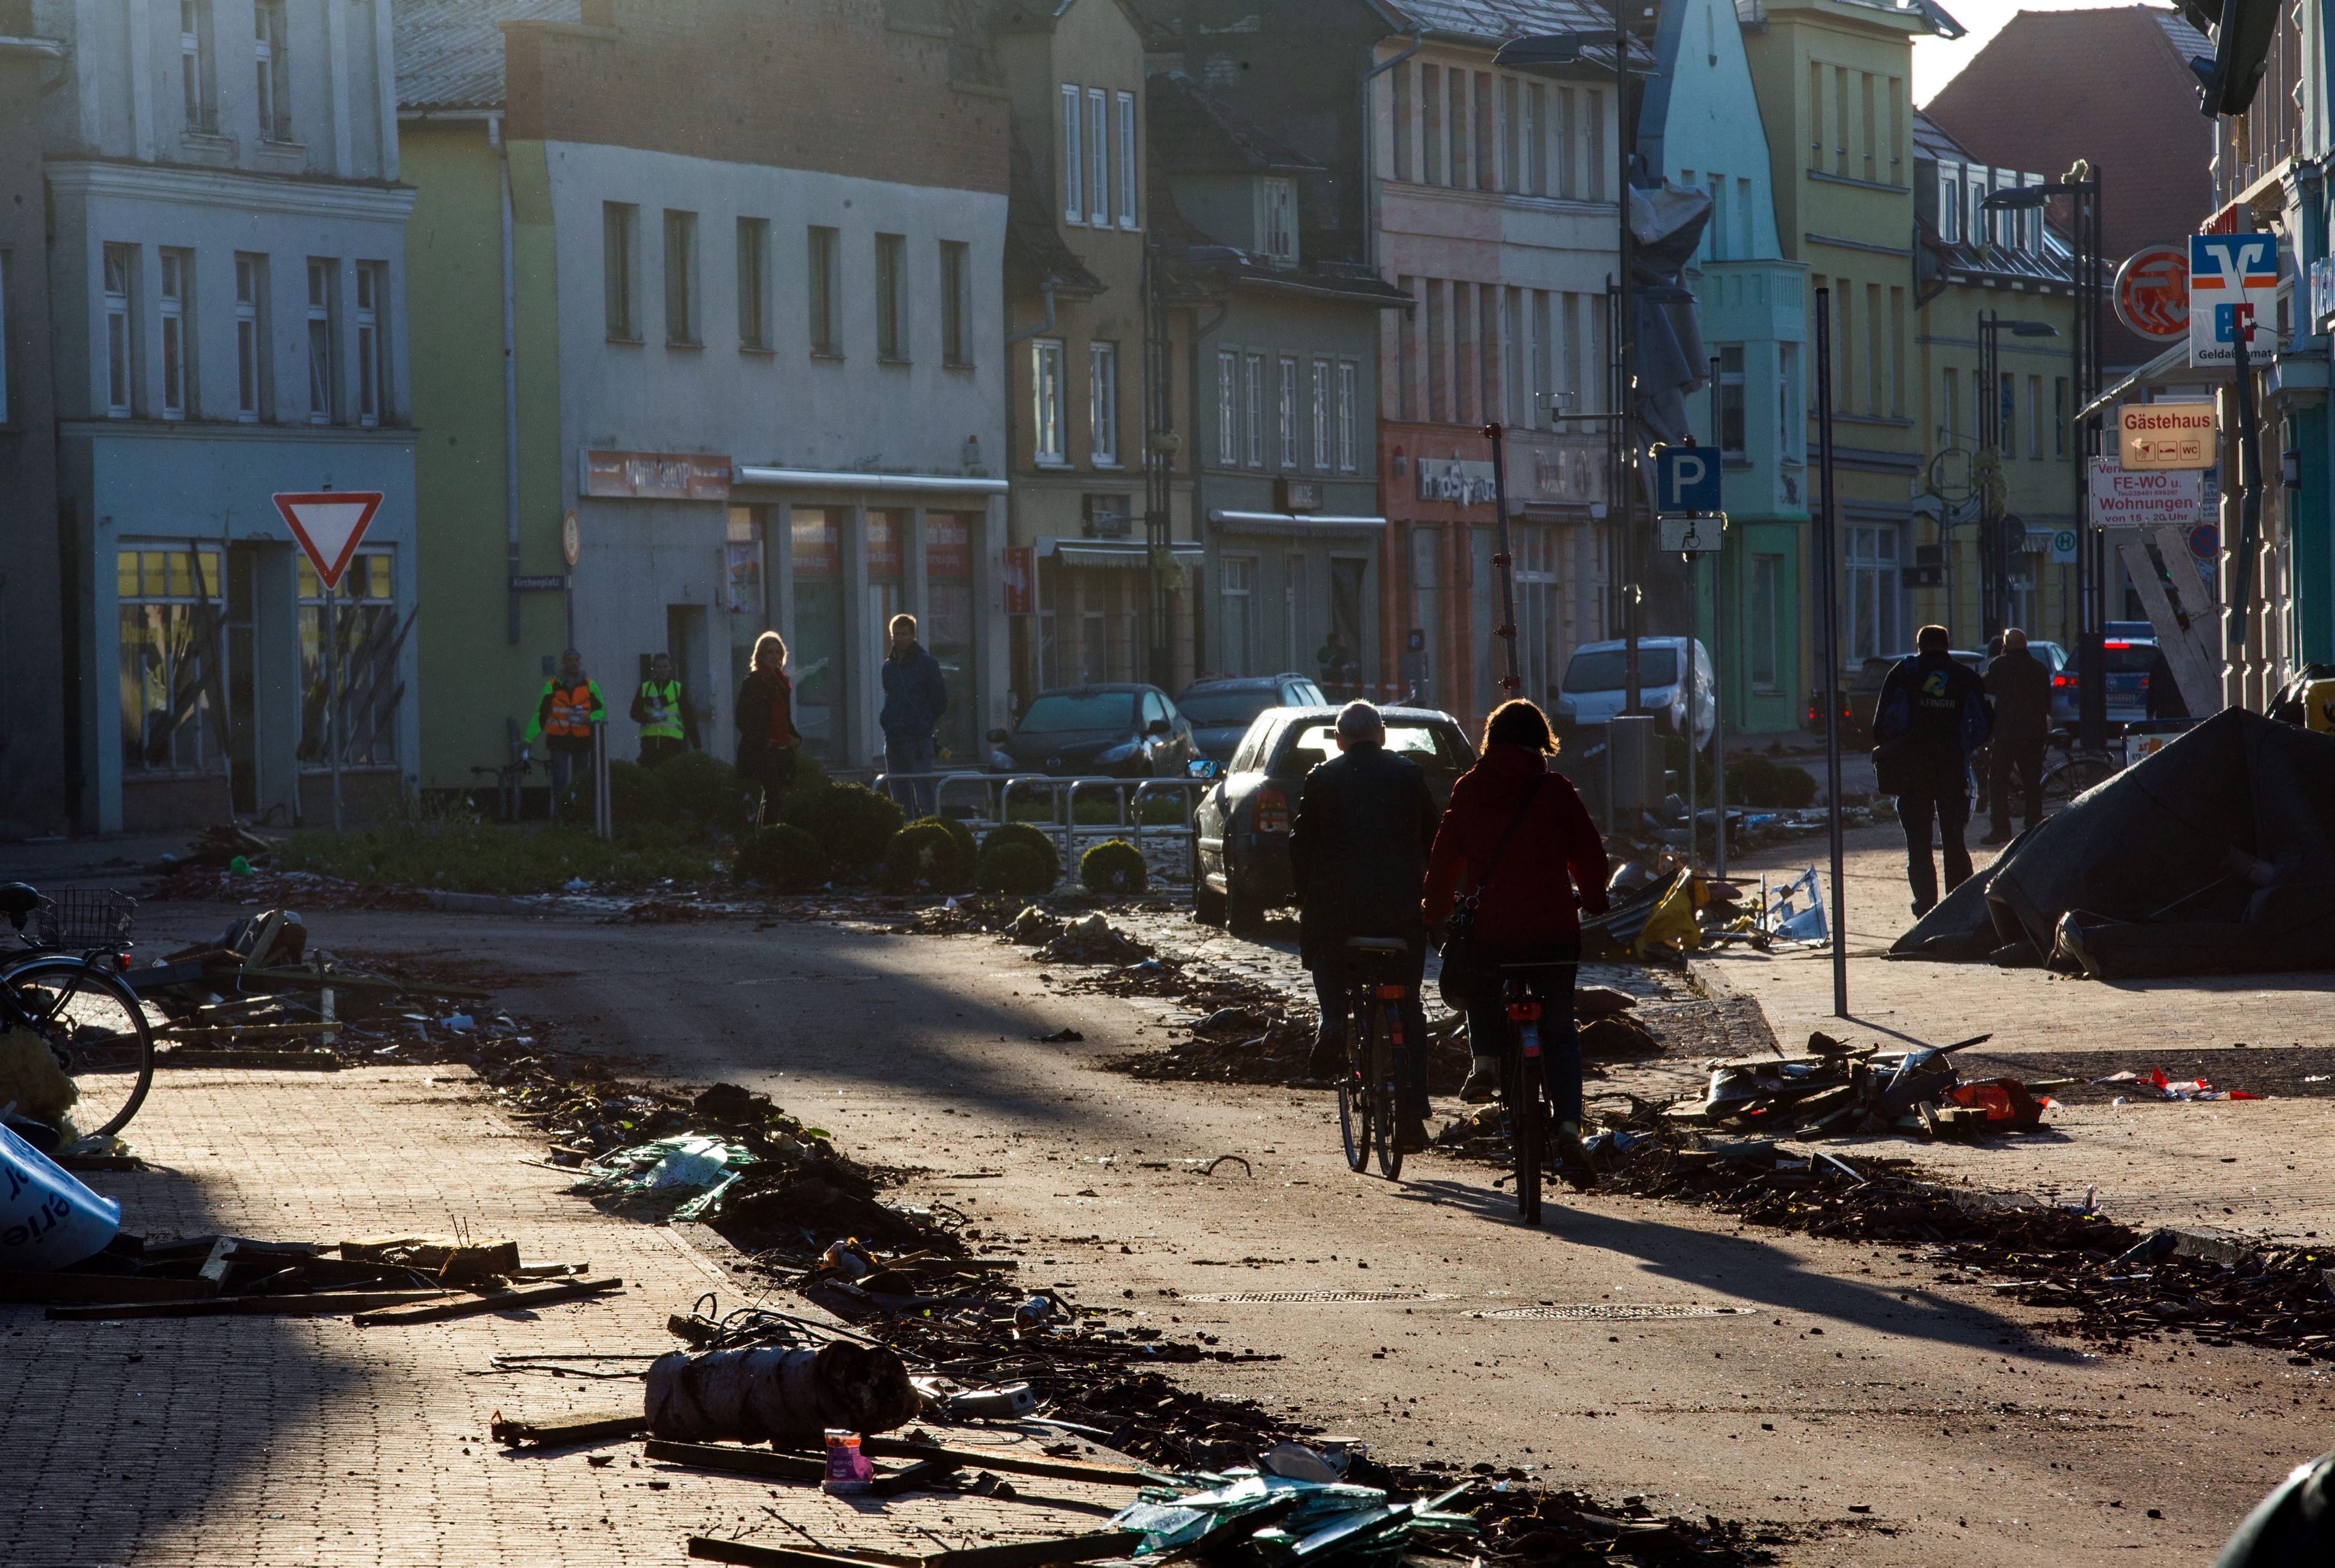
{"type": "Point", "coordinates": [2055, 265]}
{"type": "Point", "coordinates": [450, 53]}
{"type": "Point", "coordinates": [1494, 21]}
{"type": "Point", "coordinates": [1035, 254]}
{"type": "Point", "coordinates": [1194, 131]}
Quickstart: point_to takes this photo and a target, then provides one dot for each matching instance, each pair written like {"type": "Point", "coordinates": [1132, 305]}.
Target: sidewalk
{"type": "Point", "coordinates": [315, 1443]}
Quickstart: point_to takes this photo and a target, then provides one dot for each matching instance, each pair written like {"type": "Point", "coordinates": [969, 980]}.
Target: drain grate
{"type": "Point", "coordinates": [1613, 1311]}
{"type": "Point", "coordinates": [1275, 1297]}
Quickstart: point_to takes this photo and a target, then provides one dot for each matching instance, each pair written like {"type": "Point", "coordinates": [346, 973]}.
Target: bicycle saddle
{"type": "Point", "coordinates": [17, 900]}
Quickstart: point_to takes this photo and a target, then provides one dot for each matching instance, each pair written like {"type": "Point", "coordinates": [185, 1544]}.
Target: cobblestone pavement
{"type": "Point", "coordinates": [294, 1443]}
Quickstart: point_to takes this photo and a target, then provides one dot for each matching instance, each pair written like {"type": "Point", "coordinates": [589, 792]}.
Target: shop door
{"type": "Point", "coordinates": [686, 642]}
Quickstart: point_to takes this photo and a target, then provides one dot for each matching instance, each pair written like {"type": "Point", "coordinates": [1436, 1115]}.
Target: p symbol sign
{"type": "Point", "coordinates": [1686, 479]}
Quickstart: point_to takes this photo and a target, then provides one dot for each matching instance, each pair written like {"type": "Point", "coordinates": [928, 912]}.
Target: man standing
{"type": "Point", "coordinates": [1358, 854]}
{"type": "Point", "coordinates": [915, 696]}
{"type": "Point", "coordinates": [563, 716]}
{"type": "Point", "coordinates": [1931, 717]}
{"type": "Point", "coordinates": [2021, 689]}
{"type": "Point", "coordinates": [667, 726]}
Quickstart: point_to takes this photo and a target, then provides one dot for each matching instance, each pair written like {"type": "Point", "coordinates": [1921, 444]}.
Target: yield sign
{"type": "Point", "coordinates": [328, 525]}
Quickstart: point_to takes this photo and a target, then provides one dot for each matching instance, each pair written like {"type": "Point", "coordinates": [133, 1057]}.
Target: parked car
{"type": "Point", "coordinates": [1222, 709]}
{"type": "Point", "coordinates": [2127, 661]}
{"type": "Point", "coordinates": [1125, 731]}
{"type": "Point", "coordinates": [1240, 834]}
{"type": "Point", "coordinates": [1596, 687]}
{"type": "Point", "coordinates": [1862, 692]}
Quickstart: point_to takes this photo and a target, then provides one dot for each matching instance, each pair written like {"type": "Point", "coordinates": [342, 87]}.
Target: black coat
{"type": "Point", "coordinates": [2021, 689]}
{"type": "Point", "coordinates": [1932, 715]}
{"type": "Point", "coordinates": [1358, 850]}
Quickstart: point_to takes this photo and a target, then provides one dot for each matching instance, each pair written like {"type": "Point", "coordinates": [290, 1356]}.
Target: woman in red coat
{"type": "Point", "coordinates": [1553, 866]}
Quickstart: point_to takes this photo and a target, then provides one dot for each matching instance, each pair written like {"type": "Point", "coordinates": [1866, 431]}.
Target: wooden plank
{"type": "Point", "coordinates": [501, 1301]}
{"type": "Point", "coordinates": [1041, 1553]}
{"type": "Point", "coordinates": [308, 1304]}
{"type": "Point", "coordinates": [738, 1460]}
{"type": "Point", "coordinates": [924, 1475]}
{"type": "Point", "coordinates": [1004, 1464]}
{"type": "Point", "coordinates": [613, 1427]}
{"type": "Point", "coordinates": [456, 1260]}
{"type": "Point", "coordinates": [714, 1549]}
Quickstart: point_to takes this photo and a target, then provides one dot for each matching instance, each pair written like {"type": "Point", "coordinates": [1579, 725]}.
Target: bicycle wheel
{"type": "Point", "coordinates": [1354, 1098]}
{"type": "Point", "coordinates": [2073, 777]}
{"type": "Point", "coordinates": [1382, 1088]}
{"type": "Point", "coordinates": [1524, 1132]}
{"type": "Point", "coordinates": [99, 1032]}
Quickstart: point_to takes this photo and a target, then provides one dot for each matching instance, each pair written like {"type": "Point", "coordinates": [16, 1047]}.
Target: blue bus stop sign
{"type": "Point", "coordinates": [1686, 479]}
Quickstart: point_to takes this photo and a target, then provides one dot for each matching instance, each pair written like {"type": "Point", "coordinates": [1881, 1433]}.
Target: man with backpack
{"type": "Point", "coordinates": [1932, 714]}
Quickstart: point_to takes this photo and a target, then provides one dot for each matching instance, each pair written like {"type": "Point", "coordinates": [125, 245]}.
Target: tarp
{"type": "Point", "coordinates": [2216, 856]}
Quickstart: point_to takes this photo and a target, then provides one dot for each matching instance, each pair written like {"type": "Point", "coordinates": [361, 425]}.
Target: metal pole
{"type": "Point", "coordinates": [603, 817]}
{"type": "Point", "coordinates": [1829, 598]}
{"type": "Point", "coordinates": [1625, 339]}
{"type": "Point", "coordinates": [1511, 684]}
{"type": "Point", "coordinates": [332, 692]}
{"type": "Point", "coordinates": [1719, 648]}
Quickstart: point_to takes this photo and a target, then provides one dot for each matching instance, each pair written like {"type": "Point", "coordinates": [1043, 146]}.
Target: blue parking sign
{"type": "Point", "coordinates": [1686, 479]}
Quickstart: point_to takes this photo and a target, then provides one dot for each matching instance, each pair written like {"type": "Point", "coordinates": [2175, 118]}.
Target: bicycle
{"type": "Point", "coordinates": [80, 1007]}
{"type": "Point", "coordinates": [2078, 771]}
{"type": "Point", "coordinates": [1370, 1094]}
{"type": "Point", "coordinates": [1524, 1080]}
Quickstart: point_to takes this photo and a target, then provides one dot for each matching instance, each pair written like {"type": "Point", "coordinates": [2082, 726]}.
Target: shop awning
{"type": "Point", "coordinates": [1305, 525]}
{"type": "Point", "coordinates": [1128, 555]}
{"type": "Point", "coordinates": [2169, 369]}
{"type": "Point", "coordinates": [757, 475]}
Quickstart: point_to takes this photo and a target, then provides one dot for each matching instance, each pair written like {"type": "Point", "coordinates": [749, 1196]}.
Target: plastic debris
{"type": "Point", "coordinates": [1284, 1519]}
{"type": "Point", "coordinates": [691, 1172]}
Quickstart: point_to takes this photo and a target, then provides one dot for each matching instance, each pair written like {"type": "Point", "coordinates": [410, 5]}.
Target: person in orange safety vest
{"type": "Point", "coordinates": [564, 717]}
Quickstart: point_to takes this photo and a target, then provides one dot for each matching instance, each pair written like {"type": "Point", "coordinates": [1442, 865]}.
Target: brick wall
{"type": "Point", "coordinates": [818, 84]}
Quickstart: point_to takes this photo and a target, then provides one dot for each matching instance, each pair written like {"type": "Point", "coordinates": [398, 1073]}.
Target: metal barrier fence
{"type": "Point", "coordinates": [1167, 848]}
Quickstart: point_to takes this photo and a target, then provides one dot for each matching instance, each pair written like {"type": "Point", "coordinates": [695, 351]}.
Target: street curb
{"type": "Point", "coordinates": [484, 904]}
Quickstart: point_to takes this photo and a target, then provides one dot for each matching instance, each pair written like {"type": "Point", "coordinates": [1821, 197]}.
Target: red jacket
{"type": "Point", "coordinates": [1556, 851]}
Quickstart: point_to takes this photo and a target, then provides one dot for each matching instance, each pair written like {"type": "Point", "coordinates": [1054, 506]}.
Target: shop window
{"type": "Point", "coordinates": [744, 598]}
{"type": "Point", "coordinates": [816, 648]}
{"type": "Point", "coordinates": [172, 717]}
{"type": "Point", "coordinates": [367, 640]}
{"type": "Point", "coordinates": [946, 625]}
{"type": "Point", "coordinates": [1236, 591]}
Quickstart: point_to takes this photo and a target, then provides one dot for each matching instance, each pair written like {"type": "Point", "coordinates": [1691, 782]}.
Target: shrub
{"type": "Point", "coordinates": [1795, 787]}
{"type": "Point", "coordinates": [956, 830]}
{"type": "Point", "coordinates": [1114, 866]}
{"type": "Point", "coordinates": [1754, 780]}
{"type": "Point", "coordinates": [1011, 866]}
{"type": "Point", "coordinates": [707, 789]}
{"type": "Point", "coordinates": [637, 795]}
{"type": "Point", "coordinates": [927, 852]}
{"type": "Point", "coordinates": [1038, 842]}
{"type": "Point", "coordinates": [851, 822]}
{"type": "Point", "coordinates": [784, 858]}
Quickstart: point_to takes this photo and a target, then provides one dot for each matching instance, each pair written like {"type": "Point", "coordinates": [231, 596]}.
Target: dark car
{"type": "Point", "coordinates": [1862, 692]}
{"type": "Point", "coordinates": [1124, 731]}
{"type": "Point", "coordinates": [1240, 834]}
{"type": "Point", "coordinates": [1221, 710]}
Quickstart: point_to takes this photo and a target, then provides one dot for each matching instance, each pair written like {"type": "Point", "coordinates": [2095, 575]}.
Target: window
{"type": "Point", "coordinates": [1871, 616]}
{"type": "Point", "coordinates": [754, 284]}
{"type": "Point", "coordinates": [1430, 130]}
{"type": "Point", "coordinates": [168, 620]}
{"type": "Point", "coordinates": [372, 355]}
{"type": "Point", "coordinates": [364, 703]}
{"type": "Point", "coordinates": [1126, 218]}
{"type": "Point", "coordinates": [1511, 127]}
{"type": "Point", "coordinates": [956, 304]}
{"type": "Point", "coordinates": [174, 291]}
{"type": "Point", "coordinates": [1074, 203]}
{"type": "Point", "coordinates": [250, 335]}
{"type": "Point", "coordinates": [195, 64]}
{"type": "Point", "coordinates": [1403, 95]}
{"type": "Point", "coordinates": [1239, 575]}
{"type": "Point", "coordinates": [1098, 154]}
{"type": "Point", "coordinates": [2035, 416]}
{"type": "Point", "coordinates": [323, 364]}
{"type": "Point", "coordinates": [1253, 408]}
{"type": "Point", "coordinates": [681, 277]}
{"type": "Point", "coordinates": [1289, 458]}
{"type": "Point", "coordinates": [1730, 402]}
{"type": "Point", "coordinates": [121, 262]}
{"type": "Point", "coordinates": [1279, 229]}
{"type": "Point", "coordinates": [1322, 415]}
{"type": "Point", "coordinates": [2059, 417]}
{"type": "Point", "coordinates": [1766, 623]}
{"type": "Point", "coordinates": [1349, 375]}
{"type": "Point", "coordinates": [620, 256]}
{"type": "Point", "coordinates": [891, 297]}
{"type": "Point", "coordinates": [823, 276]}
{"type": "Point", "coordinates": [1227, 407]}
{"type": "Point", "coordinates": [269, 66]}
{"type": "Point", "coordinates": [1046, 392]}
{"type": "Point", "coordinates": [1103, 403]}
{"type": "Point", "coordinates": [1536, 138]}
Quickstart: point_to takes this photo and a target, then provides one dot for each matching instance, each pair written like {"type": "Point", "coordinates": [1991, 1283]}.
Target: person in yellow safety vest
{"type": "Point", "coordinates": [563, 716]}
{"type": "Point", "coordinates": [667, 726]}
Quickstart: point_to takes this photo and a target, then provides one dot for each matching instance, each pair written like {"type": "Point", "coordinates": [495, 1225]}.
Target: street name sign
{"type": "Point", "coordinates": [2148, 499]}
{"type": "Point", "coordinates": [328, 526]}
{"type": "Point", "coordinates": [1686, 479]}
{"type": "Point", "coordinates": [2165, 435]}
{"type": "Point", "coordinates": [2233, 280]}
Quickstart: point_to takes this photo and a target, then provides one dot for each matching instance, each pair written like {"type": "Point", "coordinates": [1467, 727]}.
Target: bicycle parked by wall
{"type": "Point", "coordinates": [64, 985]}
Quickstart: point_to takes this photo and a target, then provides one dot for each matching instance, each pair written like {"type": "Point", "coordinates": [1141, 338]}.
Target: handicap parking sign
{"type": "Point", "coordinates": [1686, 479]}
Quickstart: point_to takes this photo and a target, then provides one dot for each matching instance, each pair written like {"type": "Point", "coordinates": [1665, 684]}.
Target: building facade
{"type": "Point", "coordinates": [227, 282]}
{"type": "Point", "coordinates": [754, 381]}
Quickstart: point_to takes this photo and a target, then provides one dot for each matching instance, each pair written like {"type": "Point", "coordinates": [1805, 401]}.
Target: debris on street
{"type": "Point", "coordinates": [2154, 1084]}
{"type": "Point", "coordinates": [1838, 1088]}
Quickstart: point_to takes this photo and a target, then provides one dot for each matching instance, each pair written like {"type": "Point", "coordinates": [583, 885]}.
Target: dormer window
{"type": "Point", "coordinates": [1279, 228]}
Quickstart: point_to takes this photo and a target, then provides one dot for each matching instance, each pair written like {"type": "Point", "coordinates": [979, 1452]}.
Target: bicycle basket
{"type": "Point", "coordinates": [84, 918]}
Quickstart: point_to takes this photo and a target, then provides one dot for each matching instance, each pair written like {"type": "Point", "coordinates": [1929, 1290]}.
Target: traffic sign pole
{"type": "Point", "coordinates": [333, 716]}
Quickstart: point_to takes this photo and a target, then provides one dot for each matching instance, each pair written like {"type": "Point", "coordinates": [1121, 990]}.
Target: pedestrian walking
{"type": "Point", "coordinates": [660, 708]}
{"type": "Point", "coordinates": [1358, 854]}
{"type": "Point", "coordinates": [1932, 714]}
{"type": "Point", "coordinates": [2019, 687]}
{"type": "Point", "coordinates": [768, 741]}
{"type": "Point", "coordinates": [1513, 813]}
{"type": "Point", "coordinates": [565, 717]}
{"type": "Point", "coordinates": [915, 697]}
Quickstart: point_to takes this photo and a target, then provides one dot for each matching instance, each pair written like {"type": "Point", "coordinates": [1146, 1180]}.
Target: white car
{"type": "Point", "coordinates": [1595, 685]}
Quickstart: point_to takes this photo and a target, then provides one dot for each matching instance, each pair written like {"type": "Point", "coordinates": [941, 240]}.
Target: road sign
{"type": "Point", "coordinates": [2205, 542]}
{"type": "Point", "coordinates": [328, 525]}
{"type": "Point", "coordinates": [1686, 479]}
{"type": "Point", "coordinates": [2063, 546]}
{"type": "Point", "coordinates": [552, 584]}
{"type": "Point", "coordinates": [571, 537]}
{"type": "Point", "coordinates": [1690, 536]}
{"type": "Point", "coordinates": [2233, 281]}
{"type": "Point", "coordinates": [2152, 292]}
{"type": "Point", "coordinates": [2148, 499]}
{"type": "Point", "coordinates": [2165, 435]}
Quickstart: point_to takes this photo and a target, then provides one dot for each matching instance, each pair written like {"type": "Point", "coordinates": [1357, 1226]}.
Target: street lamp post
{"type": "Point", "coordinates": [1993, 542]}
